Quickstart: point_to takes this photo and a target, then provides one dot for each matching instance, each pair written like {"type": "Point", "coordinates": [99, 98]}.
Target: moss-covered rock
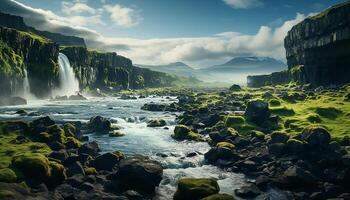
{"type": "Point", "coordinates": [156, 123]}
{"type": "Point", "coordinates": [69, 129]}
{"type": "Point", "coordinates": [316, 135]}
{"type": "Point", "coordinates": [223, 135]}
{"type": "Point", "coordinates": [90, 171]}
{"type": "Point", "coordinates": [7, 175]}
{"type": "Point", "coordinates": [257, 134]}
{"type": "Point", "coordinates": [57, 175]}
{"type": "Point", "coordinates": [232, 121]}
{"type": "Point", "coordinates": [35, 166]}
{"type": "Point", "coordinates": [72, 143]}
{"type": "Point", "coordinates": [279, 137]}
{"type": "Point", "coordinates": [116, 134]}
{"type": "Point", "coordinates": [225, 145]}
{"type": "Point", "coordinates": [295, 145]}
{"type": "Point", "coordinates": [219, 197]}
{"type": "Point", "coordinates": [196, 188]}
{"type": "Point", "coordinates": [274, 102]}
{"type": "Point", "coordinates": [183, 132]}
{"type": "Point", "coordinates": [56, 133]}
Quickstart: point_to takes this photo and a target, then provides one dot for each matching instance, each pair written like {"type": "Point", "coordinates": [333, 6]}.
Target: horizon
{"type": "Point", "coordinates": [154, 34]}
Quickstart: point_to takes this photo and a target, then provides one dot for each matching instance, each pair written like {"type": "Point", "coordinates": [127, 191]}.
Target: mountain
{"type": "Point", "coordinates": [248, 64]}
{"type": "Point", "coordinates": [17, 22]}
{"type": "Point", "coordinates": [177, 68]}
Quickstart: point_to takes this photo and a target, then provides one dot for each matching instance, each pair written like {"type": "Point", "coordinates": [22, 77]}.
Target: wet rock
{"type": "Point", "coordinates": [12, 101]}
{"type": "Point", "coordinates": [297, 177]}
{"type": "Point", "coordinates": [257, 111]}
{"type": "Point", "coordinates": [218, 153]}
{"type": "Point", "coordinates": [277, 149]}
{"type": "Point", "coordinates": [196, 188]}
{"type": "Point", "coordinates": [116, 133]}
{"type": "Point", "coordinates": [105, 161]}
{"type": "Point", "coordinates": [279, 137]}
{"type": "Point", "coordinates": [219, 197]}
{"type": "Point", "coordinates": [99, 124]}
{"type": "Point", "coordinates": [127, 97]}
{"type": "Point", "coordinates": [248, 191]}
{"type": "Point", "coordinates": [60, 155]}
{"type": "Point", "coordinates": [139, 173]}
{"type": "Point", "coordinates": [154, 107]}
{"type": "Point", "coordinates": [156, 123]}
{"type": "Point", "coordinates": [182, 132]}
{"type": "Point", "coordinates": [235, 87]}
{"type": "Point", "coordinates": [77, 97]}
{"type": "Point", "coordinates": [75, 168]}
{"type": "Point", "coordinates": [42, 123]}
{"type": "Point", "coordinates": [90, 148]}
{"type": "Point", "coordinates": [295, 146]}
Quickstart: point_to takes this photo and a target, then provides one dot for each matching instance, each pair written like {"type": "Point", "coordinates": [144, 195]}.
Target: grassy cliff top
{"type": "Point", "coordinates": [35, 36]}
{"type": "Point", "coordinates": [329, 10]}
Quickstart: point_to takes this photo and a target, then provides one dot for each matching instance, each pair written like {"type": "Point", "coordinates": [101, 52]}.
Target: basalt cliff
{"type": "Point", "coordinates": [317, 50]}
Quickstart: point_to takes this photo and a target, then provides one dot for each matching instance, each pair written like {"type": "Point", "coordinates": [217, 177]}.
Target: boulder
{"type": "Point", "coordinates": [279, 137]}
{"type": "Point", "coordinates": [235, 87]}
{"type": "Point", "coordinates": [219, 153]}
{"type": "Point", "coordinates": [90, 148]}
{"type": "Point", "coordinates": [257, 111]}
{"type": "Point", "coordinates": [139, 173]}
{"type": "Point", "coordinates": [296, 177]}
{"type": "Point", "coordinates": [295, 146]}
{"type": "Point", "coordinates": [223, 135]}
{"type": "Point", "coordinates": [316, 135]}
{"type": "Point", "coordinates": [116, 133]}
{"type": "Point", "coordinates": [34, 166]}
{"type": "Point", "coordinates": [75, 168]}
{"type": "Point", "coordinates": [77, 97]}
{"type": "Point", "coordinates": [196, 188]}
{"type": "Point", "coordinates": [219, 197]}
{"type": "Point", "coordinates": [105, 161]}
{"type": "Point", "coordinates": [182, 132]}
{"type": "Point", "coordinates": [277, 149]}
{"type": "Point", "coordinates": [156, 123]}
{"type": "Point", "coordinates": [248, 191]}
{"type": "Point", "coordinates": [99, 124]}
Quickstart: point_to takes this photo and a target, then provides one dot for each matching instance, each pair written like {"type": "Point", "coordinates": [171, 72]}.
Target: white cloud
{"type": "Point", "coordinates": [76, 8]}
{"type": "Point", "coordinates": [243, 4]}
{"type": "Point", "coordinates": [123, 16]}
{"type": "Point", "coordinates": [197, 51]}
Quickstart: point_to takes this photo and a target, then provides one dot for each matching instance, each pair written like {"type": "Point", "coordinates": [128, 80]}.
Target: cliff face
{"type": "Point", "coordinates": [26, 51]}
{"type": "Point", "coordinates": [271, 79]}
{"type": "Point", "coordinates": [321, 45]}
{"type": "Point", "coordinates": [96, 69]}
{"type": "Point", "coordinates": [16, 22]}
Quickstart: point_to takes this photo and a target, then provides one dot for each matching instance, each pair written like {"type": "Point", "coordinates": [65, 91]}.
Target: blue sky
{"type": "Point", "coordinates": [197, 32]}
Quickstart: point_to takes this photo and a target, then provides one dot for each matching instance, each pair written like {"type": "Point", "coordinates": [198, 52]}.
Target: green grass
{"type": "Point", "coordinates": [34, 36]}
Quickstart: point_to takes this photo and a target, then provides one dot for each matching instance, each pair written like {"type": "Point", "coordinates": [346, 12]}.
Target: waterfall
{"type": "Point", "coordinates": [26, 85]}
{"type": "Point", "coordinates": [69, 84]}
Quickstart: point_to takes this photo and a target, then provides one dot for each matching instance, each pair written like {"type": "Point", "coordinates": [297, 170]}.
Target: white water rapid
{"type": "Point", "coordinates": [69, 84]}
{"type": "Point", "coordinates": [26, 87]}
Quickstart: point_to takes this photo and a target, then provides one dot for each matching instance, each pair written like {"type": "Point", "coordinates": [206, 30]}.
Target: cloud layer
{"type": "Point", "coordinates": [243, 4]}
{"type": "Point", "coordinates": [123, 16]}
{"type": "Point", "coordinates": [198, 51]}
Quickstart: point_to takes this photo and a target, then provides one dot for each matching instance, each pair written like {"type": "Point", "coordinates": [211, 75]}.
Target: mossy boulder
{"type": "Point", "coordinates": [116, 134]}
{"type": "Point", "coordinates": [235, 87]}
{"type": "Point", "coordinates": [257, 111]}
{"type": "Point", "coordinates": [156, 123]}
{"type": "Point", "coordinates": [99, 124]}
{"type": "Point", "coordinates": [183, 132]}
{"type": "Point", "coordinates": [35, 166]}
{"type": "Point", "coordinates": [72, 143]}
{"type": "Point", "coordinates": [90, 171]}
{"type": "Point", "coordinates": [69, 130]}
{"type": "Point", "coordinates": [196, 188]}
{"type": "Point", "coordinates": [232, 121]}
{"type": "Point", "coordinates": [257, 134]}
{"type": "Point", "coordinates": [274, 102]}
{"type": "Point", "coordinates": [56, 133]}
{"type": "Point", "coordinates": [279, 137]}
{"type": "Point", "coordinates": [219, 197]}
{"type": "Point", "coordinates": [316, 135]}
{"type": "Point", "coordinates": [7, 175]}
{"type": "Point", "coordinates": [225, 145]}
{"type": "Point", "coordinates": [295, 146]}
{"type": "Point", "coordinates": [57, 174]}
{"type": "Point", "coordinates": [223, 135]}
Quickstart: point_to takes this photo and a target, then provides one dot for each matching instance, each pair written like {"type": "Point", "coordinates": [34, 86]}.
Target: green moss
{"type": "Point", "coordinates": [196, 188]}
{"type": "Point", "coordinates": [90, 171]}
{"type": "Point", "coordinates": [257, 134]}
{"type": "Point", "coordinates": [326, 12]}
{"type": "Point", "coordinates": [33, 165]}
{"type": "Point", "coordinates": [7, 175]}
{"type": "Point", "coordinates": [11, 64]}
{"type": "Point", "coordinates": [219, 197]}
{"type": "Point", "coordinates": [182, 132]}
{"type": "Point", "coordinates": [69, 129]}
{"type": "Point", "coordinates": [328, 112]}
{"type": "Point", "coordinates": [226, 145]}
{"type": "Point", "coordinates": [34, 36]}
{"type": "Point", "coordinates": [116, 134]}
{"type": "Point", "coordinates": [282, 110]}
{"type": "Point", "coordinates": [314, 118]}
{"type": "Point", "coordinates": [233, 121]}
{"type": "Point", "coordinates": [57, 133]}
{"type": "Point", "coordinates": [72, 143]}
{"type": "Point", "coordinates": [6, 194]}
{"type": "Point", "coordinates": [57, 174]}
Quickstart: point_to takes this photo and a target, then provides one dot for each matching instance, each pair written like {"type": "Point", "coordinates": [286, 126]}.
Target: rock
{"type": "Point", "coordinates": [196, 188]}
{"type": "Point", "coordinates": [235, 87]}
{"type": "Point", "coordinates": [279, 137]}
{"type": "Point", "coordinates": [233, 121]}
{"type": "Point", "coordinates": [139, 173]}
{"type": "Point", "coordinates": [127, 97]}
{"type": "Point", "coordinates": [156, 123]}
{"type": "Point", "coordinates": [154, 107]}
{"type": "Point", "coordinates": [77, 97]}
{"type": "Point", "coordinates": [183, 132]}
{"type": "Point", "coordinates": [316, 135]}
{"type": "Point", "coordinates": [12, 101]}
{"type": "Point", "coordinates": [75, 168]}
{"type": "Point", "coordinates": [72, 143]}
{"type": "Point", "coordinates": [99, 124]}
{"type": "Point", "coordinates": [218, 153]}
{"type": "Point", "coordinates": [225, 145]}
{"type": "Point", "coordinates": [58, 175]}
{"type": "Point", "coordinates": [21, 112]}
{"type": "Point", "coordinates": [257, 111]}
{"type": "Point", "coordinates": [346, 160]}
{"type": "Point", "coordinates": [223, 135]}
{"type": "Point", "coordinates": [42, 122]}
{"type": "Point", "coordinates": [70, 130]}
{"type": "Point", "coordinates": [297, 177]}
{"type": "Point", "coordinates": [33, 166]}
{"type": "Point", "coordinates": [277, 149]}
{"type": "Point", "coordinates": [295, 146]}
{"type": "Point", "coordinates": [105, 161]}
{"type": "Point", "coordinates": [116, 134]}
{"type": "Point", "coordinates": [90, 148]}
{"type": "Point", "coordinates": [248, 191]}
{"type": "Point", "coordinates": [60, 155]}
{"type": "Point", "coordinates": [219, 197]}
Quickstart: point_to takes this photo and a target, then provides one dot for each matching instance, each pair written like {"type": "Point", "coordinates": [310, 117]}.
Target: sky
{"type": "Point", "coordinates": [198, 32]}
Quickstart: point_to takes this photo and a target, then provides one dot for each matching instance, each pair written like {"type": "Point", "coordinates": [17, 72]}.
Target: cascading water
{"type": "Point", "coordinates": [69, 84]}
{"type": "Point", "coordinates": [26, 85]}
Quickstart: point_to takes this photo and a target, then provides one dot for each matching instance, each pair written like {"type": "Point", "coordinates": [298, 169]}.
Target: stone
{"type": "Point", "coordinates": [257, 111]}
{"type": "Point", "coordinates": [12, 101]}
{"type": "Point", "coordinates": [182, 132]}
{"type": "Point", "coordinates": [90, 148]}
{"type": "Point", "coordinates": [218, 153]}
{"type": "Point", "coordinates": [196, 188]}
{"type": "Point", "coordinates": [235, 87]}
{"type": "Point", "coordinates": [278, 137]}
{"type": "Point", "coordinates": [297, 177]}
{"type": "Point", "coordinates": [316, 135]}
{"type": "Point", "coordinates": [277, 149]}
{"type": "Point", "coordinates": [219, 197]}
{"type": "Point", "coordinates": [139, 173]}
{"type": "Point", "coordinates": [75, 168]}
{"type": "Point", "coordinates": [105, 161]}
{"type": "Point", "coordinates": [156, 123]}
{"type": "Point", "coordinates": [99, 124]}
{"type": "Point", "coordinates": [248, 191]}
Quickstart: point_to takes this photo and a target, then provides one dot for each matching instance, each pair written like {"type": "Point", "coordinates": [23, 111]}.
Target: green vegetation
{"type": "Point", "coordinates": [219, 197]}
{"type": "Point", "coordinates": [225, 145]}
{"type": "Point", "coordinates": [34, 36]}
{"type": "Point", "coordinates": [327, 11]}
{"type": "Point", "coordinates": [182, 132]}
{"type": "Point", "coordinates": [196, 188]}
{"type": "Point", "coordinates": [11, 64]}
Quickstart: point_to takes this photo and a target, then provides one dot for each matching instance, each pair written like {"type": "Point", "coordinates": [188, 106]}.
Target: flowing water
{"type": "Point", "coordinates": [26, 87]}
{"type": "Point", "coordinates": [69, 84]}
{"type": "Point", "coordinates": [138, 139]}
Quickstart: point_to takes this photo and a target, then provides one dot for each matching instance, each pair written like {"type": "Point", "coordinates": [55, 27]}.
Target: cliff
{"type": "Point", "coordinates": [275, 78]}
{"type": "Point", "coordinates": [96, 69]}
{"type": "Point", "coordinates": [17, 22]}
{"type": "Point", "coordinates": [22, 51]}
{"type": "Point", "coordinates": [319, 47]}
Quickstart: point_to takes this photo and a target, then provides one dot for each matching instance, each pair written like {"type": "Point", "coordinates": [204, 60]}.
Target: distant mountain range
{"type": "Point", "coordinates": [235, 70]}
